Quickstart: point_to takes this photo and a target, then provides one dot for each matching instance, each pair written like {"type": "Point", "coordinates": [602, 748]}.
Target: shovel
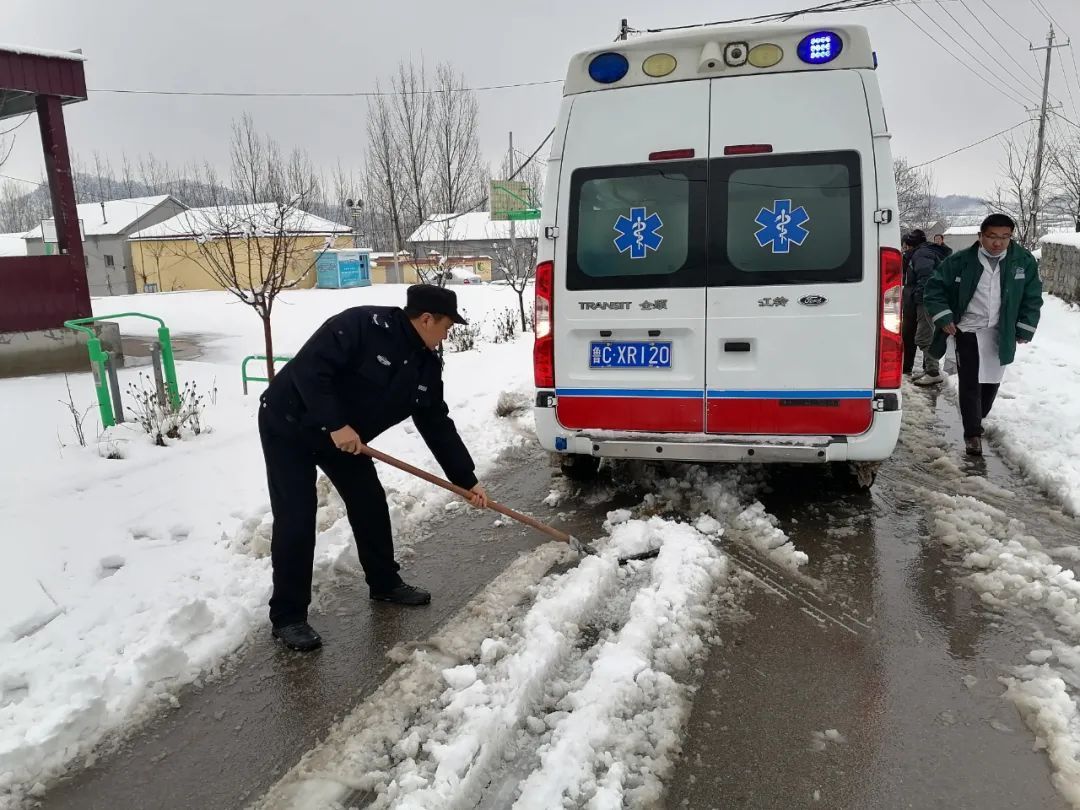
{"type": "Point", "coordinates": [550, 531]}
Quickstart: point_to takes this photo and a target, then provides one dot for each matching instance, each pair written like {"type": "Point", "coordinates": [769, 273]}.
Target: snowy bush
{"type": "Point", "coordinates": [506, 326]}
{"type": "Point", "coordinates": [463, 338]}
{"type": "Point", "coordinates": [156, 416]}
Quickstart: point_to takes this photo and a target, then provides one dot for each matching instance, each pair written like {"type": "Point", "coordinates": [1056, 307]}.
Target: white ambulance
{"type": "Point", "coordinates": [719, 269]}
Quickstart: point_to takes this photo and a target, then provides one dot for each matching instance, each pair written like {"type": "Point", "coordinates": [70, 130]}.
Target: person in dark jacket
{"type": "Point", "coordinates": [939, 240]}
{"type": "Point", "coordinates": [908, 322]}
{"type": "Point", "coordinates": [363, 371]}
{"type": "Point", "coordinates": [988, 298]}
{"type": "Point", "coordinates": [922, 259]}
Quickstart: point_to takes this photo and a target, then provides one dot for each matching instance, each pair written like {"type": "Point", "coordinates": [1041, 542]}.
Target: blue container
{"type": "Point", "coordinates": [339, 268]}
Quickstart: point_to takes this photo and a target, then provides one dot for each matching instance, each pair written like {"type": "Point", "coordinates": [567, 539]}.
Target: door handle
{"type": "Point", "coordinates": [737, 346]}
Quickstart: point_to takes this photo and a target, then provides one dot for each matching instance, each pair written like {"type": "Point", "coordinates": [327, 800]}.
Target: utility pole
{"type": "Point", "coordinates": [624, 31]}
{"type": "Point", "coordinates": [513, 230]}
{"type": "Point", "coordinates": [1040, 150]}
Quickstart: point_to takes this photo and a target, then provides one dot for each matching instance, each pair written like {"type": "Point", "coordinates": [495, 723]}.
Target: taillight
{"type": "Point", "coordinates": [544, 327]}
{"type": "Point", "coordinates": [890, 366]}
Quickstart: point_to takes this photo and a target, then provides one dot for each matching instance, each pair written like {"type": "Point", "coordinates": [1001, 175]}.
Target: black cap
{"type": "Point", "coordinates": [915, 238]}
{"type": "Point", "coordinates": [436, 300]}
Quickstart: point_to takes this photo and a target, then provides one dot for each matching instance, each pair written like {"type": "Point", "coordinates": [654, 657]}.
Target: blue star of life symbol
{"type": "Point", "coordinates": [781, 227]}
{"type": "Point", "coordinates": [639, 233]}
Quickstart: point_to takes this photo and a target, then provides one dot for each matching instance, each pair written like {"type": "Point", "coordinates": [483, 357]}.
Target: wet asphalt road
{"type": "Point", "coordinates": [904, 666]}
{"type": "Point", "coordinates": [882, 642]}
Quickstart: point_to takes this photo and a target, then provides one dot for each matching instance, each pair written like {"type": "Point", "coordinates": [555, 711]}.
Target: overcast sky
{"type": "Point", "coordinates": [934, 105]}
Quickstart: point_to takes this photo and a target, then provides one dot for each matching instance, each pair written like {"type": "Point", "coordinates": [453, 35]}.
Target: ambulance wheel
{"type": "Point", "coordinates": [579, 468]}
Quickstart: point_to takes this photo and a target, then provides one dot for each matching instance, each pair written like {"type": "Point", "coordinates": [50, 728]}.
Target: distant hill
{"type": "Point", "coordinates": [957, 204]}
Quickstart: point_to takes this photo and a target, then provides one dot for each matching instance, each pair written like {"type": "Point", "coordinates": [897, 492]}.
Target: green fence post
{"type": "Point", "coordinates": [101, 381]}
{"type": "Point", "coordinates": [170, 367]}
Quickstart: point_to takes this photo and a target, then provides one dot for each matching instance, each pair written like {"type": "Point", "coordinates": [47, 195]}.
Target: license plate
{"type": "Point", "coordinates": [630, 354]}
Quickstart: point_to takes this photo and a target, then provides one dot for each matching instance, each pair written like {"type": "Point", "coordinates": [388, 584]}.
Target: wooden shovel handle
{"type": "Point", "coordinates": [550, 531]}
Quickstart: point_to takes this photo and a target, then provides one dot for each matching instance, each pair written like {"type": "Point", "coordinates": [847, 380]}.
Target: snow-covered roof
{"type": "Point", "coordinates": [963, 230]}
{"type": "Point", "coordinates": [115, 219]}
{"type": "Point", "coordinates": [1072, 239]}
{"type": "Point", "coordinates": [23, 49]}
{"type": "Point", "coordinates": [236, 219]}
{"type": "Point", "coordinates": [12, 244]}
{"type": "Point", "coordinates": [474, 227]}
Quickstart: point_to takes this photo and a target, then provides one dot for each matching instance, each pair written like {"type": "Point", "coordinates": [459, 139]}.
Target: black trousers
{"type": "Point", "coordinates": [976, 399]}
{"type": "Point", "coordinates": [291, 462]}
{"type": "Point", "coordinates": [908, 326]}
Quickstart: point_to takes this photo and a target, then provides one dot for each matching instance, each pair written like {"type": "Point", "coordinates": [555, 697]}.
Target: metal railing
{"type": "Point", "coordinates": [105, 385]}
{"type": "Point", "coordinates": [245, 378]}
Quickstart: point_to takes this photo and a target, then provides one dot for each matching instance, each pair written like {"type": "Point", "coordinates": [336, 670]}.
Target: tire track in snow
{"type": "Point", "coordinates": [457, 724]}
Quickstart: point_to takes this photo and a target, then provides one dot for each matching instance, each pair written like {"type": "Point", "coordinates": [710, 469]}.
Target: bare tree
{"type": "Point", "coordinates": [915, 195]}
{"type": "Point", "coordinates": [517, 261]}
{"type": "Point", "coordinates": [1064, 160]}
{"type": "Point", "coordinates": [459, 179]}
{"type": "Point", "coordinates": [252, 241]}
{"type": "Point", "coordinates": [23, 207]}
{"type": "Point", "coordinates": [436, 267]}
{"type": "Point", "coordinates": [127, 177]}
{"type": "Point", "coordinates": [385, 178]}
{"type": "Point", "coordinates": [1013, 196]}
{"type": "Point", "coordinates": [412, 114]}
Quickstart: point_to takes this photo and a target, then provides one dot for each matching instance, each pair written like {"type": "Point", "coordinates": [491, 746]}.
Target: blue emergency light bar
{"type": "Point", "coordinates": [820, 47]}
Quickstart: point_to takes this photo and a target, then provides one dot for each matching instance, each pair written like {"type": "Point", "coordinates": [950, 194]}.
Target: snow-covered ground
{"type": "Point", "coordinates": [1036, 419]}
{"type": "Point", "coordinates": [130, 577]}
{"type": "Point", "coordinates": [1037, 413]}
{"type": "Point", "coordinates": [125, 578]}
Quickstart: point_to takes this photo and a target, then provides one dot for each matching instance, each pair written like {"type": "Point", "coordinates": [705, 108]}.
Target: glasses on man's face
{"type": "Point", "coordinates": [993, 237]}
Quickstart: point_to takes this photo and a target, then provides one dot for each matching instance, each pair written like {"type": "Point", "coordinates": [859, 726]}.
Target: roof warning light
{"type": "Point", "coordinates": [820, 47]}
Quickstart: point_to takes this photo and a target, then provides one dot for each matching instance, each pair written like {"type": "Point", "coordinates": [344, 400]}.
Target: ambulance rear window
{"type": "Point", "coordinates": [637, 227]}
{"type": "Point", "coordinates": [785, 219]}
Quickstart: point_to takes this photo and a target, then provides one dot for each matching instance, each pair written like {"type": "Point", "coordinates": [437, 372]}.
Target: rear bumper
{"type": "Point", "coordinates": [876, 444]}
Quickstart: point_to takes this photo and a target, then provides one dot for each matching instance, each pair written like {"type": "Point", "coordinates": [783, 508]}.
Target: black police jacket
{"type": "Point", "coordinates": [368, 368]}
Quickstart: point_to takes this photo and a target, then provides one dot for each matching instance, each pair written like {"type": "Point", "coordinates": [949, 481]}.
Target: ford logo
{"type": "Point", "coordinates": [813, 300]}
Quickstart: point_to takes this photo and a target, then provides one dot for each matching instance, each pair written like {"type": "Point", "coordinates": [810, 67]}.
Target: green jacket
{"type": "Point", "coordinates": [952, 286]}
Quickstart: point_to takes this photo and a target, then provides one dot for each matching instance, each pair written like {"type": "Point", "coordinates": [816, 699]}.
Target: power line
{"type": "Point", "coordinates": [988, 51]}
{"type": "Point", "coordinates": [1042, 9]}
{"type": "Point", "coordinates": [1013, 27]}
{"type": "Point", "coordinates": [971, 145]}
{"type": "Point", "coordinates": [1063, 118]}
{"type": "Point", "coordinates": [22, 180]}
{"type": "Point", "coordinates": [836, 5]}
{"type": "Point", "coordinates": [976, 59]}
{"type": "Point", "coordinates": [960, 61]}
{"type": "Point", "coordinates": [305, 94]}
{"type": "Point", "coordinates": [1068, 84]}
{"type": "Point", "coordinates": [998, 42]}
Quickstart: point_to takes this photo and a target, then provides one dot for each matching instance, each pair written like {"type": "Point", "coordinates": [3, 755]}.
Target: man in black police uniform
{"type": "Point", "coordinates": [364, 371]}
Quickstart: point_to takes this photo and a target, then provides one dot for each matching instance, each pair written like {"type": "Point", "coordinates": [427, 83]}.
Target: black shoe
{"type": "Point", "coordinates": [403, 595]}
{"type": "Point", "coordinates": [973, 446]}
{"type": "Point", "coordinates": [300, 636]}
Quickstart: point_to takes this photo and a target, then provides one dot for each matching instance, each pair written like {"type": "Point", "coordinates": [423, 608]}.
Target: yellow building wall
{"type": "Point", "coordinates": [382, 266]}
{"type": "Point", "coordinates": [180, 264]}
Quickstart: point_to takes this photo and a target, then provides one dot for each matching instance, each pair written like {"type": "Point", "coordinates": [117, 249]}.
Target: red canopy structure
{"type": "Point", "coordinates": [41, 292]}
